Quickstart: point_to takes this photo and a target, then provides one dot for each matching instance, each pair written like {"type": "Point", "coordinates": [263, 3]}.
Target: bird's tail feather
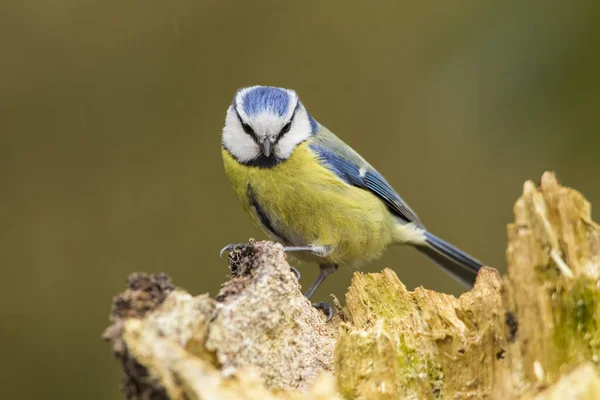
{"type": "Point", "coordinates": [453, 261]}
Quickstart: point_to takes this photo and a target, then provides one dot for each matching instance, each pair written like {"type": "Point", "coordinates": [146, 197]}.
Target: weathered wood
{"type": "Point", "coordinates": [551, 292]}
{"type": "Point", "coordinates": [259, 337]}
{"type": "Point", "coordinates": [534, 333]}
{"type": "Point", "coordinates": [428, 345]}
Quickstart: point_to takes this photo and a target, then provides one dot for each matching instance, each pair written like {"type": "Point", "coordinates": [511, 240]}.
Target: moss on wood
{"type": "Point", "coordinates": [532, 334]}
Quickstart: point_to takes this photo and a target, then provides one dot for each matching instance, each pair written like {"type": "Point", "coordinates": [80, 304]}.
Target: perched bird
{"type": "Point", "coordinates": [310, 191]}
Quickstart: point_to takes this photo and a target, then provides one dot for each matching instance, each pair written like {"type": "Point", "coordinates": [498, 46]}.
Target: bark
{"type": "Point", "coordinates": [531, 334]}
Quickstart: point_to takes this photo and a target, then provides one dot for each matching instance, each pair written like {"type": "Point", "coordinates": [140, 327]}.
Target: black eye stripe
{"type": "Point", "coordinates": [285, 129]}
{"type": "Point", "coordinates": [247, 128]}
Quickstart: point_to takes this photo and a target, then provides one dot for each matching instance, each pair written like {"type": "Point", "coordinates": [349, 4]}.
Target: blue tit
{"type": "Point", "coordinates": [310, 191]}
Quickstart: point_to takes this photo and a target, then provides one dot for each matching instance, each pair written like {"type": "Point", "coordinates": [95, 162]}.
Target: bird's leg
{"type": "Point", "coordinates": [324, 271]}
{"type": "Point", "coordinates": [320, 251]}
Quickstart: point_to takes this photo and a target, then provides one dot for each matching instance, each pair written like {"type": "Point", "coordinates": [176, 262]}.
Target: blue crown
{"type": "Point", "coordinates": [266, 98]}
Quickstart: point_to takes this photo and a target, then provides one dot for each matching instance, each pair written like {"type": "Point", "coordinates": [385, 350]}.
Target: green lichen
{"type": "Point", "coordinates": [435, 377]}
{"type": "Point", "coordinates": [365, 364]}
{"type": "Point", "coordinates": [418, 374]}
{"type": "Point", "coordinates": [576, 306]}
{"type": "Point", "coordinates": [410, 362]}
{"type": "Point", "coordinates": [383, 299]}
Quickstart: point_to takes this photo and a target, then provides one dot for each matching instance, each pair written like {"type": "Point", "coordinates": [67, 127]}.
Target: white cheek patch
{"type": "Point", "coordinates": [236, 141]}
{"type": "Point", "coordinates": [266, 124]}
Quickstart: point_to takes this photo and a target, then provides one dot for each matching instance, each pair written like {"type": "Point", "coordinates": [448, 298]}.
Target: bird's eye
{"type": "Point", "coordinates": [247, 128]}
{"type": "Point", "coordinates": [286, 128]}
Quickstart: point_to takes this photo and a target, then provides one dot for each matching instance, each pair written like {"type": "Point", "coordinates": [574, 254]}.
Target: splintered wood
{"type": "Point", "coordinates": [533, 334]}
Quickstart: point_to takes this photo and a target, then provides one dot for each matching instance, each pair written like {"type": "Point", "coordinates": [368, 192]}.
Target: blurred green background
{"type": "Point", "coordinates": [110, 122]}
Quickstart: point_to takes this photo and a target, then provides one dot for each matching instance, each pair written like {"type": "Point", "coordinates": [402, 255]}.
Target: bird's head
{"type": "Point", "coordinates": [264, 125]}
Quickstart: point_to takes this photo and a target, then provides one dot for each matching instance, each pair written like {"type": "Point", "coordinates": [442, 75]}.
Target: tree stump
{"type": "Point", "coordinates": [534, 333]}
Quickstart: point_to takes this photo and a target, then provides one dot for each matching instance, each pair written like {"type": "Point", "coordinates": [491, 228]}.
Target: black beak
{"type": "Point", "coordinates": [266, 147]}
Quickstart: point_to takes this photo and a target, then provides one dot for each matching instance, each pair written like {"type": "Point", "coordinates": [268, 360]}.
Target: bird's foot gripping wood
{"type": "Point", "coordinates": [239, 250]}
{"type": "Point", "coordinates": [324, 271]}
{"type": "Point", "coordinates": [530, 335]}
{"type": "Point", "coordinates": [326, 308]}
{"type": "Point", "coordinates": [232, 247]}
{"type": "Point", "coordinates": [296, 272]}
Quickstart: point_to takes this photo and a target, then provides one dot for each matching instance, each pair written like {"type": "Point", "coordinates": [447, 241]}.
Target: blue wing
{"type": "Point", "coordinates": [346, 164]}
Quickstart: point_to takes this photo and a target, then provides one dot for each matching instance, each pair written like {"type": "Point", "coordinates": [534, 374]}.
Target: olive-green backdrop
{"type": "Point", "coordinates": [110, 122]}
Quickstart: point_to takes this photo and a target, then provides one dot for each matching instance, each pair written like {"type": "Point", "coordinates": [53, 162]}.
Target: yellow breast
{"type": "Point", "coordinates": [307, 204]}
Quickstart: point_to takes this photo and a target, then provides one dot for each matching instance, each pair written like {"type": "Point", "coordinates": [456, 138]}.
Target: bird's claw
{"type": "Point", "coordinates": [296, 272]}
{"type": "Point", "coordinates": [326, 308]}
{"type": "Point", "coordinates": [230, 247]}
